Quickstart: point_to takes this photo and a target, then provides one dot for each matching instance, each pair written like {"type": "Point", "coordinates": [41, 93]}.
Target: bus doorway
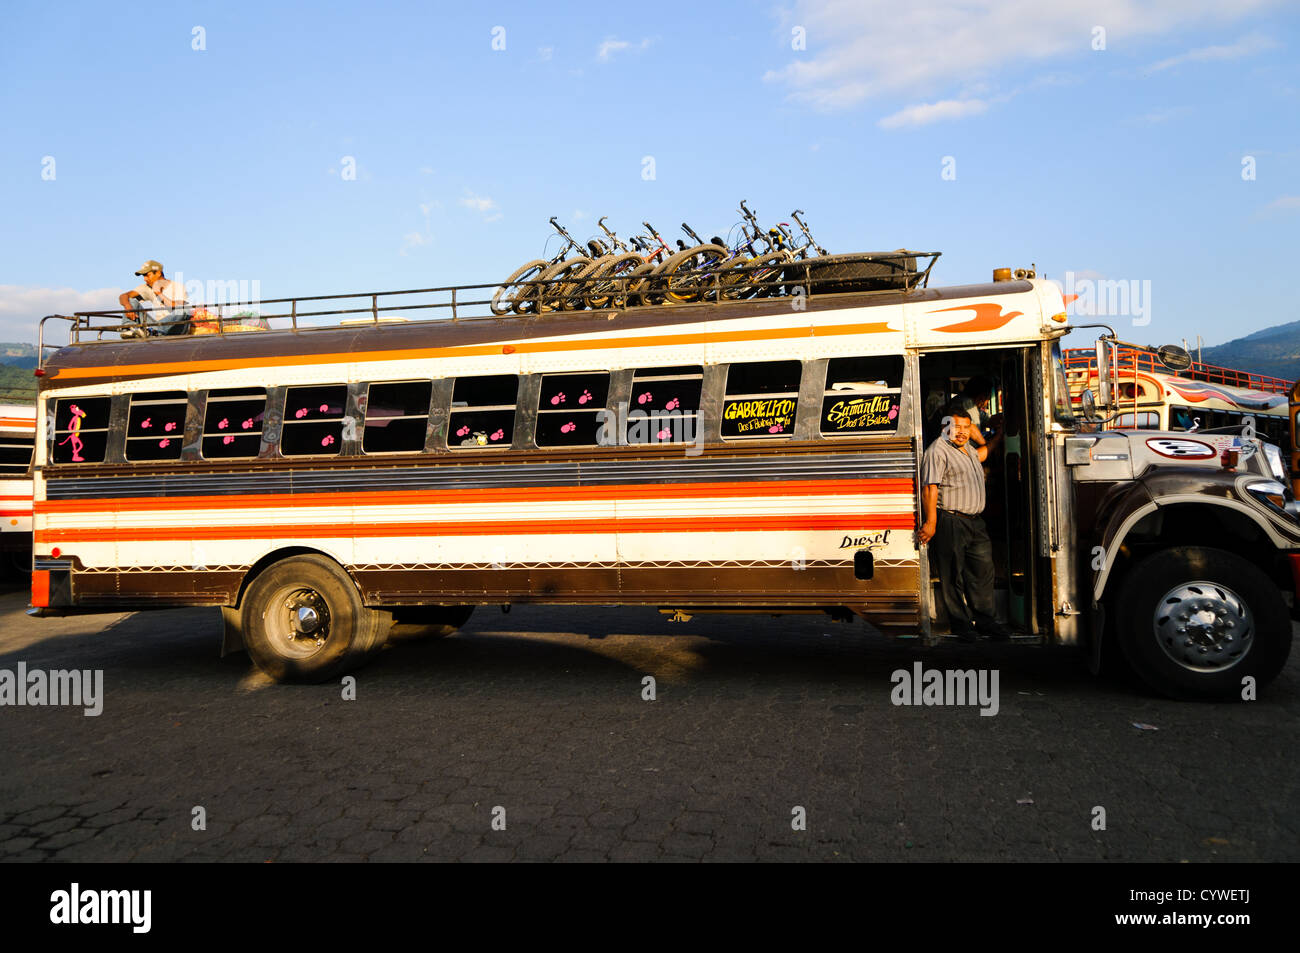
{"type": "Point", "coordinates": [1009, 512]}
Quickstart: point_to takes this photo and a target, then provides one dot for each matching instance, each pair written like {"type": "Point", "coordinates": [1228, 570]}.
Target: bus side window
{"type": "Point", "coordinates": [232, 423]}
{"type": "Point", "coordinates": [155, 426]}
{"type": "Point", "coordinates": [81, 429]}
{"type": "Point", "coordinates": [397, 417]}
{"type": "Point", "coordinates": [313, 420]}
{"type": "Point", "coordinates": [665, 405]}
{"type": "Point", "coordinates": [16, 453]}
{"type": "Point", "coordinates": [863, 395]}
{"type": "Point", "coordinates": [483, 412]}
{"type": "Point", "coordinates": [761, 400]}
{"type": "Point", "coordinates": [570, 409]}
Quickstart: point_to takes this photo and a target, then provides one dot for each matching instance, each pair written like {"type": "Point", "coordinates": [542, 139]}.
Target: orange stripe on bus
{"type": "Point", "coordinates": [773, 488]}
{"type": "Point", "coordinates": [855, 522]}
{"type": "Point", "coordinates": [22, 423]}
{"type": "Point", "coordinates": [469, 350]}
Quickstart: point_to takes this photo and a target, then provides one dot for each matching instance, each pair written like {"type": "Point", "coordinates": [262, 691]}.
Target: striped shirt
{"type": "Point", "coordinates": [958, 474]}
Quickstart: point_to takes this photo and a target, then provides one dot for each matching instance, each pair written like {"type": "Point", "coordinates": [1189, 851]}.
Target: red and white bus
{"type": "Point", "coordinates": [17, 441]}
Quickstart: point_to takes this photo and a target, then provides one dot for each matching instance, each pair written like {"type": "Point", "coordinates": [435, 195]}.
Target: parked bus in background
{"type": "Point", "coordinates": [1203, 397]}
{"type": "Point", "coordinates": [320, 484]}
{"type": "Point", "coordinates": [17, 440]}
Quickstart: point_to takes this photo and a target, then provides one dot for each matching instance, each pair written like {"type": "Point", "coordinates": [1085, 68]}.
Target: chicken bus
{"type": "Point", "coordinates": [400, 458]}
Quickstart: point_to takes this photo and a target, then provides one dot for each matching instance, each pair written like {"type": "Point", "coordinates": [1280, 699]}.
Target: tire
{"type": "Point", "coordinates": [1252, 625]}
{"type": "Point", "coordinates": [428, 622]}
{"type": "Point", "coordinates": [611, 290]}
{"type": "Point", "coordinates": [546, 294]}
{"type": "Point", "coordinates": [842, 274]}
{"type": "Point", "coordinates": [352, 632]}
{"type": "Point", "coordinates": [639, 285]}
{"type": "Point", "coordinates": [573, 295]}
{"type": "Point", "coordinates": [681, 278]}
{"type": "Point", "coordinates": [761, 276]}
{"type": "Point", "coordinates": [503, 299]}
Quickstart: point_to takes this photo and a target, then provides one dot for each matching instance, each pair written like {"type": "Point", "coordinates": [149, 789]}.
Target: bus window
{"type": "Point", "coordinates": [1146, 420]}
{"type": "Point", "coordinates": [155, 426]}
{"type": "Point", "coordinates": [761, 400]}
{"type": "Point", "coordinates": [232, 423]}
{"type": "Point", "coordinates": [1181, 418]}
{"type": "Point", "coordinates": [862, 395]}
{"type": "Point", "coordinates": [81, 429]}
{"type": "Point", "coordinates": [483, 412]}
{"type": "Point", "coordinates": [397, 417]}
{"type": "Point", "coordinates": [665, 405]}
{"type": "Point", "coordinates": [570, 409]}
{"type": "Point", "coordinates": [313, 420]}
{"type": "Point", "coordinates": [15, 454]}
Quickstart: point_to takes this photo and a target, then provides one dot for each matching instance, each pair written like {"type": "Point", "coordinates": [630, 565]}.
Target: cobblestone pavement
{"type": "Point", "coordinates": [540, 713]}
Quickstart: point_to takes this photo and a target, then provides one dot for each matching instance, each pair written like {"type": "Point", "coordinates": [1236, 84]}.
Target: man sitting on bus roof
{"type": "Point", "coordinates": [165, 311]}
{"type": "Point", "coordinates": [952, 499]}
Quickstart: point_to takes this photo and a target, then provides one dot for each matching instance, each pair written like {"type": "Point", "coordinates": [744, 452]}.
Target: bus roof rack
{"type": "Point", "coordinates": [864, 273]}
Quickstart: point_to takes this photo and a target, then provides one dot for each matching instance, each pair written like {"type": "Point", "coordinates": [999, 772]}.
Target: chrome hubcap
{"type": "Point", "coordinates": [1204, 626]}
{"type": "Point", "coordinates": [297, 622]}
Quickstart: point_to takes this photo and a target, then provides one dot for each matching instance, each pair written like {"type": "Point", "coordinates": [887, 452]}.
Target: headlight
{"type": "Point", "coordinates": [1273, 454]}
{"type": "Point", "coordinates": [1270, 491]}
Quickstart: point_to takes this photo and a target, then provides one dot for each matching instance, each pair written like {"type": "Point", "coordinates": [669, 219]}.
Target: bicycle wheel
{"type": "Point", "coordinates": [610, 291]}
{"type": "Point", "coordinates": [547, 292]}
{"type": "Point", "coordinates": [573, 294]}
{"type": "Point", "coordinates": [763, 278]}
{"type": "Point", "coordinates": [503, 299]}
{"type": "Point", "coordinates": [684, 276]}
{"type": "Point", "coordinates": [638, 285]}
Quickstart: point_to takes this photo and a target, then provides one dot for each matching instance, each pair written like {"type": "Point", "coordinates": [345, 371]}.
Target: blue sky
{"type": "Point", "coordinates": [1123, 162]}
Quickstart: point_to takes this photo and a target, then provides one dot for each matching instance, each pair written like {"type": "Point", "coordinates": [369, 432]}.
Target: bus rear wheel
{"type": "Point", "coordinates": [1195, 622]}
{"type": "Point", "coordinates": [304, 621]}
{"type": "Point", "coordinates": [428, 622]}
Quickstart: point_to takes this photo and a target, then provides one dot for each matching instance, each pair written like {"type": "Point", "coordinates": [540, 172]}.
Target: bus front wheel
{"type": "Point", "coordinates": [304, 621]}
{"type": "Point", "coordinates": [1196, 622]}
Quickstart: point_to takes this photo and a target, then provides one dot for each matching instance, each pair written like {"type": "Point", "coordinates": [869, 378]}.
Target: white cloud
{"type": "Point", "coordinates": [544, 53]}
{"type": "Point", "coordinates": [426, 170]}
{"type": "Point", "coordinates": [860, 50]}
{"type": "Point", "coordinates": [481, 203]}
{"type": "Point", "coordinates": [23, 306]}
{"type": "Point", "coordinates": [612, 44]}
{"type": "Point", "coordinates": [925, 113]}
{"type": "Point", "coordinates": [1284, 203]}
{"type": "Point", "coordinates": [413, 240]}
{"type": "Point", "coordinates": [1247, 45]}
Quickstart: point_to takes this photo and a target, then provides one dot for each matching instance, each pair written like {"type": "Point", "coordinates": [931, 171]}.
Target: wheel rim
{"type": "Point", "coordinates": [297, 622]}
{"type": "Point", "coordinates": [1204, 626]}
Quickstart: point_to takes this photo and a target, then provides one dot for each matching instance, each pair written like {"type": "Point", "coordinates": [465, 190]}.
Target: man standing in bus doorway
{"type": "Point", "coordinates": [974, 398]}
{"type": "Point", "coordinates": [163, 298]}
{"type": "Point", "coordinates": [952, 499]}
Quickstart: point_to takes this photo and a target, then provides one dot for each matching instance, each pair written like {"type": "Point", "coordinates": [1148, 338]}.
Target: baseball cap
{"type": "Point", "coordinates": [149, 266]}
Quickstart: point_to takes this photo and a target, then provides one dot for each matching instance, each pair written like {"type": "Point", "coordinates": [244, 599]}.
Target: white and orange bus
{"type": "Point", "coordinates": [321, 483]}
{"type": "Point", "coordinates": [17, 441]}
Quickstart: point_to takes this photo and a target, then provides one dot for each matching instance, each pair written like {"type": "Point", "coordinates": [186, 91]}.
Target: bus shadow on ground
{"type": "Point", "coordinates": [563, 645]}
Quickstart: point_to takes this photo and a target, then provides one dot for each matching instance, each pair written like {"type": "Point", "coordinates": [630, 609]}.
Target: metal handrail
{"type": "Point", "coordinates": [1086, 359]}
{"type": "Point", "coordinates": [461, 302]}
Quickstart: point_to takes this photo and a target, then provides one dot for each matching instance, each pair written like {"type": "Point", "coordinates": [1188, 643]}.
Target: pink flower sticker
{"type": "Point", "coordinates": [223, 423]}
{"type": "Point", "coordinates": [300, 413]}
{"type": "Point", "coordinates": [893, 412]}
{"type": "Point", "coordinates": [169, 426]}
{"type": "Point", "coordinates": [498, 435]}
{"type": "Point", "coordinates": [586, 396]}
{"type": "Point", "coordinates": [462, 431]}
{"type": "Point", "coordinates": [665, 434]}
{"type": "Point", "coordinates": [247, 424]}
{"type": "Point", "coordinates": [228, 438]}
{"type": "Point", "coordinates": [324, 408]}
{"type": "Point", "coordinates": [672, 404]}
{"type": "Point", "coordinates": [146, 423]}
{"type": "Point", "coordinates": [776, 428]}
{"type": "Point", "coordinates": [164, 442]}
{"type": "Point", "coordinates": [557, 399]}
{"type": "Point", "coordinates": [327, 440]}
{"type": "Point", "coordinates": [568, 427]}
{"type": "Point", "coordinates": [644, 397]}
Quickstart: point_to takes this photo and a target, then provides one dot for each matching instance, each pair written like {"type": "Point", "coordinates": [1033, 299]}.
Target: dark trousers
{"type": "Point", "coordinates": [964, 556]}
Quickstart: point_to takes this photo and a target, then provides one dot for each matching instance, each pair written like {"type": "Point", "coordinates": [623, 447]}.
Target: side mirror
{"type": "Point", "coordinates": [1103, 373]}
{"type": "Point", "coordinates": [1089, 403]}
{"type": "Point", "coordinates": [1174, 357]}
